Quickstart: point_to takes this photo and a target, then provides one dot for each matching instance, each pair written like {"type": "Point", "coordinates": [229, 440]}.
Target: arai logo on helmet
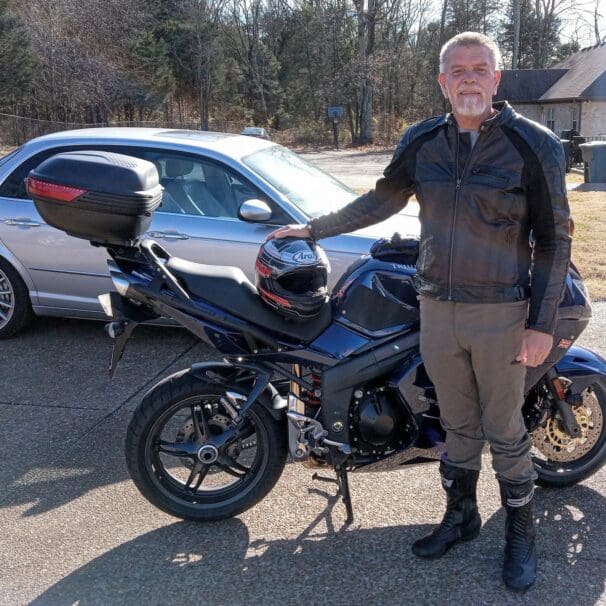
{"type": "Point", "coordinates": [304, 256]}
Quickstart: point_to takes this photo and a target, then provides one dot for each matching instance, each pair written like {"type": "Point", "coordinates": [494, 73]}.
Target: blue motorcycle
{"type": "Point", "coordinates": [346, 391]}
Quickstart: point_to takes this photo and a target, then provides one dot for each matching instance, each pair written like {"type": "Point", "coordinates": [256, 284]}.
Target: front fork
{"type": "Point", "coordinates": [563, 403]}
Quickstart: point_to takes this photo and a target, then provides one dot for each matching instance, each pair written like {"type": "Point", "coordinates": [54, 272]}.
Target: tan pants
{"type": "Point", "coordinates": [469, 351]}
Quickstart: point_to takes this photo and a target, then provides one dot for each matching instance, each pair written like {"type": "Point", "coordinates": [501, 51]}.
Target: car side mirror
{"type": "Point", "coordinates": [254, 211]}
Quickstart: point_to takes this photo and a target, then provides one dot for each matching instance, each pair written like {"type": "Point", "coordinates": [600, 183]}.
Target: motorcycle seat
{"type": "Point", "coordinates": [229, 289]}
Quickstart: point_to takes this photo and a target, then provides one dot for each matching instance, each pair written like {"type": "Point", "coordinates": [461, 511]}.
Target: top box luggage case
{"type": "Point", "coordinates": [103, 197]}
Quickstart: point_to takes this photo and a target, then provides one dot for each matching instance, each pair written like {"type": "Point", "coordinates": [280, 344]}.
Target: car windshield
{"type": "Point", "coordinates": [307, 187]}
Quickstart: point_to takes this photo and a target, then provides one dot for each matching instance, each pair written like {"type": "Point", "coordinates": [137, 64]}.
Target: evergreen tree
{"type": "Point", "coordinates": [152, 78]}
{"type": "Point", "coordinates": [540, 45]}
{"type": "Point", "coordinates": [17, 62]}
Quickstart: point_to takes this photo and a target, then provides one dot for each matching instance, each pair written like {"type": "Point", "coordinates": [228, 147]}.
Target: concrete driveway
{"type": "Point", "coordinates": [74, 530]}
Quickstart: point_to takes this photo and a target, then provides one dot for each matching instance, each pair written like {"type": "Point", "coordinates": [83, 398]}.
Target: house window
{"type": "Point", "coordinates": [551, 119]}
{"type": "Point", "coordinates": [574, 122]}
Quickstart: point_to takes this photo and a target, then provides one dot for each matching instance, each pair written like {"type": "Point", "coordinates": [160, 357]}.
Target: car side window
{"type": "Point", "coordinates": [202, 187]}
{"type": "Point", "coordinates": [192, 185]}
{"type": "Point", "coordinates": [14, 184]}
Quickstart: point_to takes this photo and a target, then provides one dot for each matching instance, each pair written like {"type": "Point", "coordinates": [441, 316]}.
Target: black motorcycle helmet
{"type": "Point", "coordinates": [292, 277]}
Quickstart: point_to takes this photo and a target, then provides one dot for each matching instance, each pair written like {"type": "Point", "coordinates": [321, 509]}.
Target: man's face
{"type": "Point", "coordinates": [469, 81]}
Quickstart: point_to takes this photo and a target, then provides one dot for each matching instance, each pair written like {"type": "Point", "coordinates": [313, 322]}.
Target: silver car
{"type": "Point", "coordinates": [207, 178]}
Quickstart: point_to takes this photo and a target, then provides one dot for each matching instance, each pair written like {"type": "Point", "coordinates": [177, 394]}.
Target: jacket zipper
{"type": "Point", "coordinates": [459, 178]}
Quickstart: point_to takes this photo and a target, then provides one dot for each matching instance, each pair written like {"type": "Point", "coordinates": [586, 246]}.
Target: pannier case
{"type": "Point", "coordinates": [103, 197]}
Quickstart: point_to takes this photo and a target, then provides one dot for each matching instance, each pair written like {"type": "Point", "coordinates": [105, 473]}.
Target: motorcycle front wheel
{"type": "Point", "coordinates": [173, 458]}
{"type": "Point", "coordinates": [561, 460]}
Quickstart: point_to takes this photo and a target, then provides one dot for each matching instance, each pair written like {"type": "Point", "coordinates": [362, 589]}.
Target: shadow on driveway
{"type": "Point", "coordinates": [218, 564]}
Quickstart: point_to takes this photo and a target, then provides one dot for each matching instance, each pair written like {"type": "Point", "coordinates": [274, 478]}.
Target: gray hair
{"type": "Point", "coordinates": [471, 39]}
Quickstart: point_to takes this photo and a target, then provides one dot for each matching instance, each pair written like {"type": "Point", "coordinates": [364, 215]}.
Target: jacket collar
{"type": "Point", "coordinates": [504, 114]}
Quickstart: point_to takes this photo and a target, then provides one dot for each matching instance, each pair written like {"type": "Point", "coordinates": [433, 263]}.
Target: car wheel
{"type": "Point", "coordinates": [15, 305]}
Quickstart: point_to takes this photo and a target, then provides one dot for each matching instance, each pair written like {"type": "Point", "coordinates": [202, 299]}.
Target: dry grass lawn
{"type": "Point", "coordinates": [589, 242]}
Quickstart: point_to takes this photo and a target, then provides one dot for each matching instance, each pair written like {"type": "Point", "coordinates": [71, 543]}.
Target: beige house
{"type": "Point", "coordinates": [570, 95]}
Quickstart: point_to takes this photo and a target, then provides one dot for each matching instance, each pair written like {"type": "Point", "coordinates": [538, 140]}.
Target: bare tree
{"type": "Point", "coordinates": [588, 17]}
{"type": "Point", "coordinates": [548, 14]}
{"type": "Point", "coordinates": [367, 12]}
{"type": "Point", "coordinates": [515, 56]}
{"type": "Point", "coordinates": [84, 49]}
{"type": "Point", "coordinates": [596, 22]}
{"type": "Point", "coordinates": [245, 27]}
{"type": "Point", "coordinates": [203, 18]}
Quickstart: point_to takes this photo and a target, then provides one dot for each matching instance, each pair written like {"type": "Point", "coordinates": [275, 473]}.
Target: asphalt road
{"type": "Point", "coordinates": [74, 530]}
{"type": "Point", "coordinates": [358, 169]}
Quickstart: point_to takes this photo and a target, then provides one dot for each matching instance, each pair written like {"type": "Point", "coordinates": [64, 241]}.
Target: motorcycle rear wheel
{"type": "Point", "coordinates": [563, 461]}
{"type": "Point", "coordinates": [168, 441]}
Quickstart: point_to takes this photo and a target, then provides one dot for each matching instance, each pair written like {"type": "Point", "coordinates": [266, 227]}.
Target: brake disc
{"type": "Point", "coordinates": [218, 423]}
{"type": "Point", "coordinates": [555, 444]}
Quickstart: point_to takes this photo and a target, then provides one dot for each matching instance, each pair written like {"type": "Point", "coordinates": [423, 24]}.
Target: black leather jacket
{"type": "Point", "coordinates": [477, 209]}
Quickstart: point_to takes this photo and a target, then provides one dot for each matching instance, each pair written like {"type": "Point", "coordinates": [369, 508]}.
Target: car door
{"type": "Point", "coordinates": [197, 221]}
{"type": "Point", "coordinates": [68, 273]}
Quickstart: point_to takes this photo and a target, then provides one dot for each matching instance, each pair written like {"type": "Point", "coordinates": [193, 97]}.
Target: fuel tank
{"type": "Point", "coordinates": [377, 298]}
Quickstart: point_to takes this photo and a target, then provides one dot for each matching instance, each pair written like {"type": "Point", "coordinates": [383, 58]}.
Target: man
{"type": "Point", "coordinates": [485, 177]}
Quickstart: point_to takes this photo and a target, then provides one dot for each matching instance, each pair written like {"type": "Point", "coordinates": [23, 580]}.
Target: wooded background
{"type": "Point", "coordinates": [223, 64]}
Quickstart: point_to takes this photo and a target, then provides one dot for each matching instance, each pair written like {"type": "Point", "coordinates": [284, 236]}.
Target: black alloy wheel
{"type": "Point", "coordinates": [177, 458]}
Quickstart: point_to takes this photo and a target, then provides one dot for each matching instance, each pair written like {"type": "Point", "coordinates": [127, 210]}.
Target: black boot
{"type": "Point", "coordinates": [520, 563]}
{"type": "Point", "coordinates": [461, 521]}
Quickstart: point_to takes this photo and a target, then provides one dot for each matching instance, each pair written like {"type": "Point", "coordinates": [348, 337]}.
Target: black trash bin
{"type": "Point", "coordinates": [569, 134]}
{"type": "Point", "coordinates": [567, 145]}
{"type": "Point", "coordinates": [577, 156]}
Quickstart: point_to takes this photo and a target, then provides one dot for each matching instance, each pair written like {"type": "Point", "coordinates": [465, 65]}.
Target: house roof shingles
{"type": "Point", "coordinates": [584, 68]}
{"type": "Point", "coordinates": [524, 85]}
{"type": "Point", "coordinates": [580, 76]}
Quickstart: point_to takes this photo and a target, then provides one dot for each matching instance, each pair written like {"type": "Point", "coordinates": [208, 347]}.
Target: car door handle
{"type": "Point", "coordinates": [168, 235]}
{"type": "Point", "coordinates": [22, 222]}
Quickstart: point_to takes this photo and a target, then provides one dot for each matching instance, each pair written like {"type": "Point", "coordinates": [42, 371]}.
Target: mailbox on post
{"type": "Point", "coordinates": [335, 115]}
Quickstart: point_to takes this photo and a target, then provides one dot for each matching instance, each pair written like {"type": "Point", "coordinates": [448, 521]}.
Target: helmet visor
{"type": "Point", "coordinates": [304, 280]}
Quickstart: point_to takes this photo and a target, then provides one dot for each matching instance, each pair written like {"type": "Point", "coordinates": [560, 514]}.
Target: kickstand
{"type": "Point", "coordinates": [344, 490]}
{"type": "Point", "coordinates": [343, 484]}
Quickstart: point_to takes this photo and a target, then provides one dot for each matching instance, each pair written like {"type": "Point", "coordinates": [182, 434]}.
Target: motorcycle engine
{"type": "Point", "coordinates": [379, 421]}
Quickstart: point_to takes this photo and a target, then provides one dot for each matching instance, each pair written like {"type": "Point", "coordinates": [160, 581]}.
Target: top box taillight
{"type": "Point", "coordinates": [53, 191]}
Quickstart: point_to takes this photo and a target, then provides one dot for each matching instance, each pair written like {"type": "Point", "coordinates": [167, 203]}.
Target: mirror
{"type": "Point", "coordinates": [254, 211]}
